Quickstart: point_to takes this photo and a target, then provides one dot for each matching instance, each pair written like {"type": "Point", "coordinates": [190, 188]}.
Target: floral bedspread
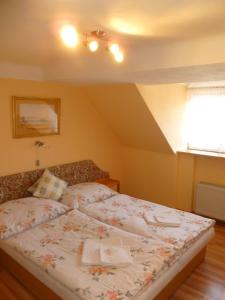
{"type": "Point", "coordinates": [56, 247]}
{"type": "Point", "coordinates": [127, 213]}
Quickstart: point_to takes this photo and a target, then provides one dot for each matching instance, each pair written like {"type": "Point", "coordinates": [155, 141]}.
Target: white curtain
{"type": "Point", "coordinates": [206, 119]}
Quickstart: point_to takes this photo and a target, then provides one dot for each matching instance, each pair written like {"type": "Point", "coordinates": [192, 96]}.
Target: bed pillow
{"type": "Point", "coordinates": [22, 214]}
{"type": "Point", "coordinates": [82, 194]}
{"type": "Point", "coordinates": [50, 186]}
{"type": "Point", "coordinates": [33, 187]}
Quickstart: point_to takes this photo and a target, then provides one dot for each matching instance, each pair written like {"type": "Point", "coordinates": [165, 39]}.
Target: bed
{"type": "Point", "coordinates": [49, 266]}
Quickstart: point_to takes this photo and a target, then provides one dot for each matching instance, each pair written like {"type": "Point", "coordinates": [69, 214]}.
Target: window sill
{"type": "Point", "coordinates": [202, 153]}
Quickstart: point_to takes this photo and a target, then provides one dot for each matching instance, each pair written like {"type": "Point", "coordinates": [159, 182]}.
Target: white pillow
{"type": "Point", "coordinates": [82, 194]}
{"type": "Point", "coordinates": [22, 214]}
{"type": "Point", "coordinates": [33, 187]}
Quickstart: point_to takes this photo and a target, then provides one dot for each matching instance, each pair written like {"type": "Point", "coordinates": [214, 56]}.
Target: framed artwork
{"type": "Point", "coordinates": [35, 117]}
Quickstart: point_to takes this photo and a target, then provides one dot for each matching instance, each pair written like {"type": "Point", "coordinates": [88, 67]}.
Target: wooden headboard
{"type": "Point", "coordinates": [15, 186]}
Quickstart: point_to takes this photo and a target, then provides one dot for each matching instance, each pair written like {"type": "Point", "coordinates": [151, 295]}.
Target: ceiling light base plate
{"type": "Point", "coordinates": [99, 34]}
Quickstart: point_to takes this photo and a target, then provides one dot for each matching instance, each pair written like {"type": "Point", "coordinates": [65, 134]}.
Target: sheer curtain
{"type": "Point", "coordinates": [206, 119]}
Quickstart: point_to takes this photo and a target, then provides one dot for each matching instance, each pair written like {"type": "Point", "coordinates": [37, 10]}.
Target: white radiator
{"type": "Point", "coordinates": [210, 201]}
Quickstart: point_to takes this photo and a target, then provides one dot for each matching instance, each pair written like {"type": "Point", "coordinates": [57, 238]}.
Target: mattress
{"type": "Point", "coordinates": [128, 213]}
{"type": "Point", "coordinates": [53, 255]}
{"type": "Point", "coordinates": [162, 281]}
{"type": "Point", "coordinates": [147, 294]}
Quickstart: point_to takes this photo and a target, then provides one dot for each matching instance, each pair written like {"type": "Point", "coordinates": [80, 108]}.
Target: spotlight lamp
{"type": "Point", "coordinates": [93, 45]}
{"type": "Point", "coordinates": [69, 36]}
{"type": "Point", "coordinates": [114, 48]}
{"type": "Point", "coordinates": [119, 57]}
{"type": "Point", "coordinates": [94, 40]}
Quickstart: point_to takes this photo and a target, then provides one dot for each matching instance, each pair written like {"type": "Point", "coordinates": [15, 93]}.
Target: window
{"type": "Point", "coordinates": [206, 119]}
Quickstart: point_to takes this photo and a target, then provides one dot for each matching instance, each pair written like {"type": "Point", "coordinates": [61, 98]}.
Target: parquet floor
{"type": "Point", "coordinates": [207, 282]}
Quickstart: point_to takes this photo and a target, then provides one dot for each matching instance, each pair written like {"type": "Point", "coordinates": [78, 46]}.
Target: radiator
{"type": "Point", "coordinates": [210, 201]}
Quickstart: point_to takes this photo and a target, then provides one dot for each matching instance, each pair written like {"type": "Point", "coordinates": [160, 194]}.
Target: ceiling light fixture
{"type": "Point", "coordinates": [92, 40]}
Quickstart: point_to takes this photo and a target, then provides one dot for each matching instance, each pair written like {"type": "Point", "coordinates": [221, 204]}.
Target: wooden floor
{"type": "Point", "coordinates": [207, 282]}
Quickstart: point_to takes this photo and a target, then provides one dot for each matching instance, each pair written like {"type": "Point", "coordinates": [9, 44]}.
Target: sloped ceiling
{"type": "Point", "coordinates": [128, 116]}
{"type": "Point", "coordinates": [136, 120]}
{"type": "Point", "coordinates": [167, 105]}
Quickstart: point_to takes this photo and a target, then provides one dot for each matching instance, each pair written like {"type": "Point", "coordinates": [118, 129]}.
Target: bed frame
{"type": "Point", "coordinates": [15, 186]}
{"type": "Point", "coordinates": [40, 291]}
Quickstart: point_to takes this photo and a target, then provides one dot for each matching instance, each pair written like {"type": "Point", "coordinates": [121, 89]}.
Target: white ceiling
{"type": "Point", "coordinates": [29, 39]}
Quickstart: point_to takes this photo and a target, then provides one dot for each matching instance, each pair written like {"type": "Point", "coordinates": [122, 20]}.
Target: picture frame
{"type": "Point", "coordinates": [34, 117]}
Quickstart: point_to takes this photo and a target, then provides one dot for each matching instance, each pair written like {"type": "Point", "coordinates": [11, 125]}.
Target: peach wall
{"type": "Point", "coordinates": [169, 179]}
{"type": "Point", "coordinates": [84, 134]}
{"type": "Point", "coordinates": [150, 175]}
{"type": "Point", "coordinates": [165, 178]}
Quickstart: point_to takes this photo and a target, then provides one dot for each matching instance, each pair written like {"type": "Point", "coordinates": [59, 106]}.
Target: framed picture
{"type": "Point", "coordinates": [35, 117]}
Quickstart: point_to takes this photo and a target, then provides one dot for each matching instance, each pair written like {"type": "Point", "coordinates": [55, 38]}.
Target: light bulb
{"type": "Point", "coordinates": [69, 36]}
{"type": "Point", "coordinates": [119, 57]}
{"type": "Point", "coordinates": [114, 48]}
{"type": "Point", "coordinates": [93, 46]}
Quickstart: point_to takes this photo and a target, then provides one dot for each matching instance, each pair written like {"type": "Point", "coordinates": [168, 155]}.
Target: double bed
{"type": "Point", "coordinates": [46, 258]}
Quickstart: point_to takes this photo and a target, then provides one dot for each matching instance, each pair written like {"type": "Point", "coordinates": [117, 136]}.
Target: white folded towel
{"type": "Point", "coordinates": [116, 256]}
{"type": "Point", "coordinates": [106, 252]}
{"type": "Point", "coordinates": [91, 253]}
{"type": "Point", "coordinates": [149, 218]}
{"type": "Point", "coordinates": [168, 219]}
{"type": "Point", "coordinates": [163, 219]}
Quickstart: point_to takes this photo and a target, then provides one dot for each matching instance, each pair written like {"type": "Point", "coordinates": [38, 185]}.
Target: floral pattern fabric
{"type": "Point", "coordinates": [22, 214]}
{"type": "Point", "coordinates": [127, 213]}
{"type": "Point", "coordinates": [56, 247]}
{"type": "Point", "coordinates": [83, 194]}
